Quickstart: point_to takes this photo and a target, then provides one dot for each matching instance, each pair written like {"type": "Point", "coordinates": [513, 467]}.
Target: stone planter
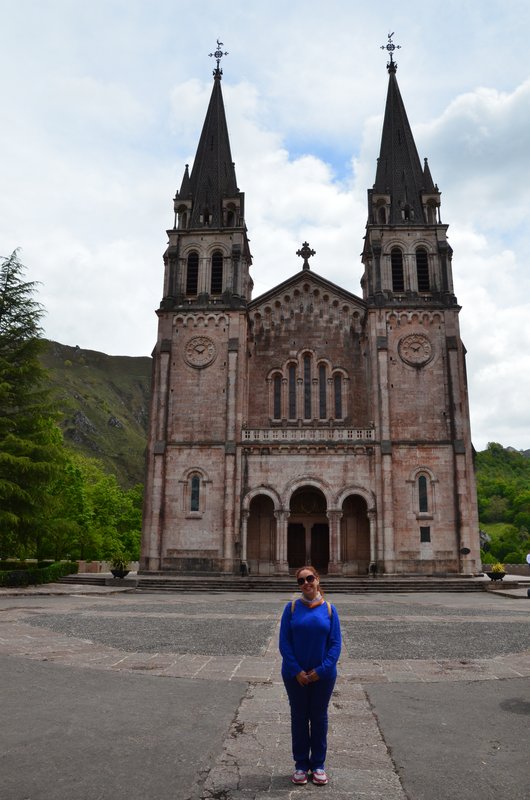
{"type": "Point", "coordinates": [120, 573]}
{"type": "Point", "coordinates": [496, 576]}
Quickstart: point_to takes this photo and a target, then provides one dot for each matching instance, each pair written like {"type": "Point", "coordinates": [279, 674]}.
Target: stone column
{"type": "Point", "coordinates": [335, 564]}
{"type": "Point", "coordinates": [244, 528]}
{"type": "Point", "coordinates": [373, 534]}
{"type": "Point", "coordinates": [281, 565]}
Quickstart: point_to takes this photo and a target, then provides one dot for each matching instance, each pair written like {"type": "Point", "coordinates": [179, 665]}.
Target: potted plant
{"type": "Point", "coordinates": [496, 572]}
{"type": "Point", "coordinates": [119, 565]}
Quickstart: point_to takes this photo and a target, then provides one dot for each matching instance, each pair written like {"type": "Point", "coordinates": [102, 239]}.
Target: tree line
{"type": "Point", "coordinates": [503, 491]}
{"type": "Point", "coordinates": [53, 503]}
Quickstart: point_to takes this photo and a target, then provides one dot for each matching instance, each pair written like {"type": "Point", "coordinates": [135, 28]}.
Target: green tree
{"type": "Point", "coordinates": [30, 448]}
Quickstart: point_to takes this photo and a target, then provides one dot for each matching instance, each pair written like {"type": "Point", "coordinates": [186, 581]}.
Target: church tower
{"type": "Point", "coordinates": [427, 514]}
{"type": "Point", "coordinates": [191, 511]}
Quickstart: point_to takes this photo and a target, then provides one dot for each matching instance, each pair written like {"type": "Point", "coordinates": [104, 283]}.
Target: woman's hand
{"type": "Point", "coordinates": [302, 678]}
{"type": "Point", "coordinates": [312, 676]}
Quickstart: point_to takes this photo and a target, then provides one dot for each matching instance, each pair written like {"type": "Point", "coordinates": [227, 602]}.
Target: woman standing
{"type": "Point", "coordinates": [310, 645]}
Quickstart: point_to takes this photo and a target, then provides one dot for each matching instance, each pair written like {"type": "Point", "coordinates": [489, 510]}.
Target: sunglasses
{"type": "Point", "coordinates": [308, 578]}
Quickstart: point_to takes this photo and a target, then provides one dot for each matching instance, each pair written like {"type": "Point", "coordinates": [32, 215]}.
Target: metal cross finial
{"type": "Point", "coordinates": [218, 56]}
{"type": "Point", "coordinates": [390, 47]}
{"type": "Point", "coordinates": [305, 252]}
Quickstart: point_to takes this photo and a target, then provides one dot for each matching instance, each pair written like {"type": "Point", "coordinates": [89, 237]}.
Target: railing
{"type": "Point", "coordinates": [279, 435]}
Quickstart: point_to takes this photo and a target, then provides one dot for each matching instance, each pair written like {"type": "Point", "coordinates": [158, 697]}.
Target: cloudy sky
{"type": "Point", "coordinates": [102, 104]}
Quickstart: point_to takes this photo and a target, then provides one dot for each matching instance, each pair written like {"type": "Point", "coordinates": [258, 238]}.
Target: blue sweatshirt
{"type": "Point", "coordinates": [310, 639]}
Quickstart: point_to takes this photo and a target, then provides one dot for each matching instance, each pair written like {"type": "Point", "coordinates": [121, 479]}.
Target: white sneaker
{"type": "Point", "coordinates": [299, 776]}
{"type": "Point", "coordinates": [320, 777]}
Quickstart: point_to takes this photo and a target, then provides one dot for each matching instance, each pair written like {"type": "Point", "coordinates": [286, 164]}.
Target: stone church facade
{"type": "Point", "coordinates": [310, 425]}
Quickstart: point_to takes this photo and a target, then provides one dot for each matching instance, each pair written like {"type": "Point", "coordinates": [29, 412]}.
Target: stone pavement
{"type": "Point", "coordinates": [415, 647]}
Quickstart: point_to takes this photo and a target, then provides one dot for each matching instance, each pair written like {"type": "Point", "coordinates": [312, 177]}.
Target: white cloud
{"type": "Point", "coordinates": [105, 103]}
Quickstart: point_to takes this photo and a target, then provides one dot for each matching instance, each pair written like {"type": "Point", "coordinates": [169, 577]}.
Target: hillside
{"type": "Point", "coordinates": [105, 405]}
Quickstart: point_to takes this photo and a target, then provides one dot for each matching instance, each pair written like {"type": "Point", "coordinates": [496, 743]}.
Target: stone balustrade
{"type": "Point", "coordinates": [308, 434]}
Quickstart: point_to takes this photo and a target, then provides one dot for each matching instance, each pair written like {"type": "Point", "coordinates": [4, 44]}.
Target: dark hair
{"type": "Point", "coordinates": [315, 573]}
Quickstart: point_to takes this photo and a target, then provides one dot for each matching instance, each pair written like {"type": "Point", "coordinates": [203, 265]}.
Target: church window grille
{"type": "Point", "coordinates": [195, 487]}
{"type": "Point", "coordinates": [396, 261]}
{"type": "Point", "coordinates": [277, 397]}
{"type": "Point", "coordinates": [423, 499]}
{"type": "Point", "coordinates": [216, 282]}
{"type": "Point", "coordinates": [425, 534]}
{"type": "Point", "coordinates": [307, 387]}
{"type": "Point", "coordinates": [422, 270]}
{"type": "Point", "coordinates": [337, 386]}
{"type": "Point", "coordinates": [192, 273]}
{"type": "Point", "coordinates": [322, 392]}
{"type": "Point", "coordinates": [292, 392]}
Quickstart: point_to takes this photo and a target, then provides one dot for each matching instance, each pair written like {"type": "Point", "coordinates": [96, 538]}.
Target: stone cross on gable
{"type": "Point", "coordinates": [305, 252]}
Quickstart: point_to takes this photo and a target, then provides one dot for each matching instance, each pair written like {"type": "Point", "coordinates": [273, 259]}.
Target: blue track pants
{"type": "Point", "coordinates": [309, 721]}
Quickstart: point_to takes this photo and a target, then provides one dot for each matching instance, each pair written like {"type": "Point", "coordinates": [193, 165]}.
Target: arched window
{"type": "Point", "coordinates": [307, 387]}
{"type": "Point", "coordinates": [192, 273]}
{"type": "Point", "coordinates": [423, 498]}
{"type": "Point", "coordinates": [396, 261]}
{"type": "Point", "coordinates": [182, 219]}
{"type": "Point", "coordinates": [337, 388]}
{"type": "Point", "coordinates": [277, 397]}
{"type": "Point", "coordinates": [195, 488]}
{"type": "Point", "coordinates": [422, 270]}
{"type": "Point", "coordinates": [216, 282]}
{"type": "Point", "coordinates": [322, 392]}
{"type": "Point", "coordinates": [292, 391]}
{"type": "Point", "coordinates": [381, 214]}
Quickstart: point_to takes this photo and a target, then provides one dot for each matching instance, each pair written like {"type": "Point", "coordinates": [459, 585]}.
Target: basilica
{"type": "Point", "coordinates": [310, 424]}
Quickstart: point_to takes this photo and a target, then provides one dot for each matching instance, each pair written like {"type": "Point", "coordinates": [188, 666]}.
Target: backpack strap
{"type": "Point", "coordinates": [330, 612]}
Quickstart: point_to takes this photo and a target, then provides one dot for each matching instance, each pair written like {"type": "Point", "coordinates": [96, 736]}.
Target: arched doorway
{"type": "Point", "coordinates": [355, 536]}
{"type": "Point", "coordinates": [261, 535]}
{"type": "Point", "coordinates": [308, 530]}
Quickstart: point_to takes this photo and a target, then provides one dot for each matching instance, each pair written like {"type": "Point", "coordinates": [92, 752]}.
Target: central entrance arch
{"type": "Point", "coordinates": [308, 530]}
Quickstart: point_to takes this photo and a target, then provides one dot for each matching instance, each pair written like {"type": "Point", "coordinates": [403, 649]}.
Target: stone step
{"type": "Point", "coordinates": [230, 583]}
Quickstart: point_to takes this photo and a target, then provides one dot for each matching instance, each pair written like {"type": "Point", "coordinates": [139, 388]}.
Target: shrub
{"type": "Point", "coordinates": [498, 567]}
{"type": "Point", "coordinates": [34, 575]}
{"type": "Point", "coordinates": [487, 558]}
{"type": "Point", "coordinates": [515, 557]}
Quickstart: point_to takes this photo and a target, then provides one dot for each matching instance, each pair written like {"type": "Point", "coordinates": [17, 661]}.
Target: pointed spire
{"type": "Point", "coordinates": [399, 174]}
{"type": "Point", "coordinates": [213, 176]}
{"type": "Point", "coordinates": [428, 183]}
{"type": "Point", "coordinates": [184, 192]}
{"type": "Point", "coordinates": [399, 171]}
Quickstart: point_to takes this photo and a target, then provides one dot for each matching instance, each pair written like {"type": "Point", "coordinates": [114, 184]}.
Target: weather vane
{"type": "Point", "coordinates": [218, 56]}
{"type": "Point", "coordinates": [390, 47]}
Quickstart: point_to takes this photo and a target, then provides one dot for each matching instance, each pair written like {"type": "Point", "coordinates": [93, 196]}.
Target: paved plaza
{"type": "Point", "coordinates": [151, 696]}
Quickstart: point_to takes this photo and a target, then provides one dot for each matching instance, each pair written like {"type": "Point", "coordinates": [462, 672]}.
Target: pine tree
{"type": "Point", "coordinates": [30, 446]}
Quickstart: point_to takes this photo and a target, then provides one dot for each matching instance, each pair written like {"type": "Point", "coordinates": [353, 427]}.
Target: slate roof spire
{"type": "Point", "coordinates": [399, 171]}
{"type": "Point", "coordinates": [213, 176]}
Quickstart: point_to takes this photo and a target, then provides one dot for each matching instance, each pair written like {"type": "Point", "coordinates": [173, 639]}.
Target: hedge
{"type": "Point", "coordinates": [34, 575]}
{"type": "Point", "coordinates": [18, 565]}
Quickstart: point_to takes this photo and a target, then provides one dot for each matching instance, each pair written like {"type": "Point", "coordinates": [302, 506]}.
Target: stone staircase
{"type": "Point", "coordinates": [233, 583]}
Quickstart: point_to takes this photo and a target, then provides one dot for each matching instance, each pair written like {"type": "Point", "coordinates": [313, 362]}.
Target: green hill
{"type": "Point", "coordinates": [104, 401]}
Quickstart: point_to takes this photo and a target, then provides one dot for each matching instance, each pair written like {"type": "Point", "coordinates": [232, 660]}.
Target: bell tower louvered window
{"type": "Point", "coordinates": [422, 270]}
{"type": "Point", "coordinates": [192, 273]}
{"type": "Point", "coordinates": [396, 261]}
{"type": "Point", "coordinates": [216, 283]}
